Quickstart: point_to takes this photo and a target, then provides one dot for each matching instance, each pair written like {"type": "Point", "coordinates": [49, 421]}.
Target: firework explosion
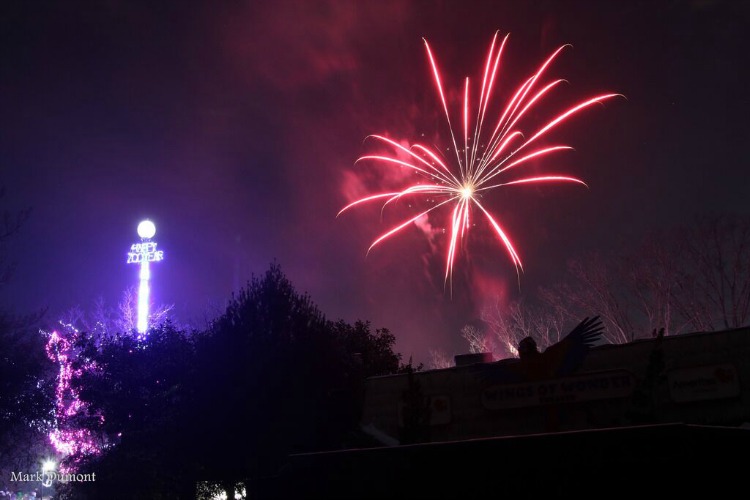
{"type": "Point", "coordinates": [483, 162]}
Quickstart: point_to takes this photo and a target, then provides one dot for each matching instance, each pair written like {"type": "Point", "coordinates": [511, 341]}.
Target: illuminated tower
{"type": "Point", "coordinates": [144, 253]}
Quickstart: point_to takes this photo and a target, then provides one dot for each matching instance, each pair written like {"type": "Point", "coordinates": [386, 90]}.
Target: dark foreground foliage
{"type": "Point", "coordinates": [270, 377]}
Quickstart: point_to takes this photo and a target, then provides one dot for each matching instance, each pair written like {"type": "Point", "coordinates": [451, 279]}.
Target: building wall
{"type": "Point", "coordinates": [700, 378]}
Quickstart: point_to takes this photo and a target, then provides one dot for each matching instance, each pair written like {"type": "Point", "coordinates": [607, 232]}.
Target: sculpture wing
{"type": "Point", "coordinates": [567, 355]}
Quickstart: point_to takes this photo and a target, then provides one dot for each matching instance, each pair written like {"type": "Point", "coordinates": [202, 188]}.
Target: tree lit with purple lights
{"type": "Point", "coordinates": [70, 439]}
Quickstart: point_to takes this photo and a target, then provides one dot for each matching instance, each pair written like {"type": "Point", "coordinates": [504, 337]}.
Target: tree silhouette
{"type": "Point", "coordinates": [270, 376]}
{"type": "Point", "coordinates": [373, 350]}
{"type": "Point", "coordinates": [140, 389]}
{"type": "Point", "coordinates": [415, 409]}
{"type": "Point", "coordinates": [26, 376]}
{"type": "Point", "coordinates": [26, 396]}
{"type": "Point", "coordinates": [645, 400]}
{"type": "Point", "coordinates": [275, 377]}
{"type": "Point", "coordinates": [687, 278]}
{"type": "Point", "coordinates": [714, 272]}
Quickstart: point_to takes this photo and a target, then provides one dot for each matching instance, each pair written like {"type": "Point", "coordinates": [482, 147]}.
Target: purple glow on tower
{"type": "Point", "coordinates": [143, 296]}
{"type": "Point", "coordinates": [144, 253]}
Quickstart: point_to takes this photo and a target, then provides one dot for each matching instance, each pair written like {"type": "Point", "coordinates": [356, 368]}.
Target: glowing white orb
{"type": "Point", "coordinates": [146, 229]}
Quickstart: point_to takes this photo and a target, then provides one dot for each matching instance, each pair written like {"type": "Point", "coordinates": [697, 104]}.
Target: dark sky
{"type": "Point", "coordinates": [235, 126]}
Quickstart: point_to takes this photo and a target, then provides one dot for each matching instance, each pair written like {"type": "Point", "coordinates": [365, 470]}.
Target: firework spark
{"type": "Point", "coordinates": [482, 162]}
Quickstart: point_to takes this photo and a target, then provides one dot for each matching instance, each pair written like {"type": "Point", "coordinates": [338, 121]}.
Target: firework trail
{"type": "Point", "coordinates": [483, 161]}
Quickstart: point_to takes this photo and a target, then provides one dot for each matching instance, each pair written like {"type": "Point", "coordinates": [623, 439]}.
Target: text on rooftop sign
{"type": "Point", "coordinates": [587, 387]}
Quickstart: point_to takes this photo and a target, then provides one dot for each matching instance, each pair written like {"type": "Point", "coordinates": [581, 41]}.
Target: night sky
{"type": "Point", "coordinates": [235, 127]}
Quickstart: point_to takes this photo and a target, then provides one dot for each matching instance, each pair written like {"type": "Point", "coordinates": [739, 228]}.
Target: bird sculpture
{"type": "Point", "coordinates": [558, 360]}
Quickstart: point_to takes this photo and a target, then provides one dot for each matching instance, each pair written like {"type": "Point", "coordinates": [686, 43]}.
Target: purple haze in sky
{"type": "Point", "coordinates": [235, 126]}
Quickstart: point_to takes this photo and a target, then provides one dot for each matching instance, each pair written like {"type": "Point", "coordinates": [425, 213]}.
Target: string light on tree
{"type": "Point", "coordinates": [144, 253]}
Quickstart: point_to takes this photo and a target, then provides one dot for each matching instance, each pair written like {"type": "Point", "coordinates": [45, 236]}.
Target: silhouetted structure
{"type": "Point", "coordinates": [626, 462]}
{"type": "Point", "coordinates": [662, 415]}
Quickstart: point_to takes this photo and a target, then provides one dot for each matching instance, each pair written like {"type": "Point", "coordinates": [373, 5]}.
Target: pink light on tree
{"type": "Point", "coordinates": [66, 437]}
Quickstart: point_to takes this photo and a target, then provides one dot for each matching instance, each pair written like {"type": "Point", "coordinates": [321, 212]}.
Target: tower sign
{"type": "Point", "coordinates": [144, 253]}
